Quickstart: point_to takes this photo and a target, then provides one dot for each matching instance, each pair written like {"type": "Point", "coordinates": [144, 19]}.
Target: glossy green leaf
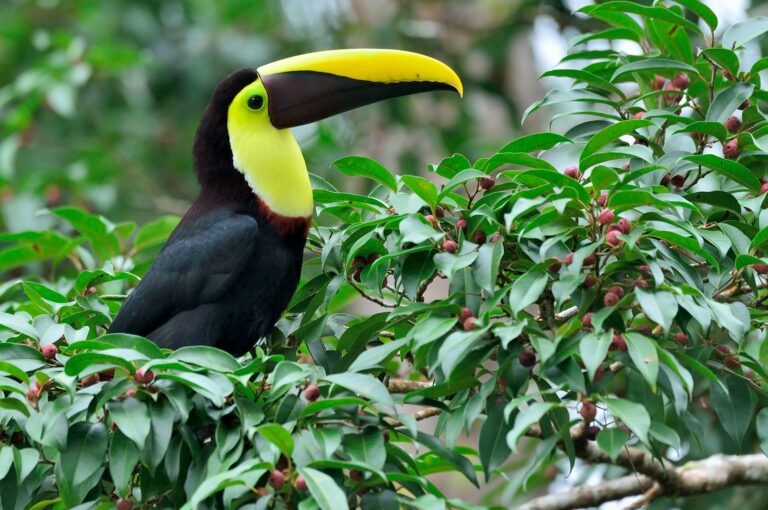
{"type": "Point", "coordinates": [366, 167]}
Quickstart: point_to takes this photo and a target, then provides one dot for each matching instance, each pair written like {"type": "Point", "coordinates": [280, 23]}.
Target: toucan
{"type": "Point", "coordinates": [230, 267]}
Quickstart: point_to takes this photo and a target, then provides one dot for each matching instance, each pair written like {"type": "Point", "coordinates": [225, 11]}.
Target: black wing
{"type": "Point", "coordinates": [198, 266]}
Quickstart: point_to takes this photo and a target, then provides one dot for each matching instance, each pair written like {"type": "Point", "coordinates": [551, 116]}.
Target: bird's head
{"type": "Point", "coordinates": [246, 123]}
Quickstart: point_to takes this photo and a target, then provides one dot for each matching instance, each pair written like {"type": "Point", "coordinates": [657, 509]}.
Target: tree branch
{"type": "Point", "coordinates": [699, 477]}
{"type": "Point", "coordinates": [403, 386]}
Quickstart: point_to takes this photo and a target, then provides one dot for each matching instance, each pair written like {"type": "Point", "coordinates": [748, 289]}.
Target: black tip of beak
{"type": "Point", "coordinates": [301, 97]}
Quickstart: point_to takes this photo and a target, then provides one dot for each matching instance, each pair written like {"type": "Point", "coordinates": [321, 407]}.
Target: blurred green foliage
{"type": "Point", "coordinates": [99, 101]}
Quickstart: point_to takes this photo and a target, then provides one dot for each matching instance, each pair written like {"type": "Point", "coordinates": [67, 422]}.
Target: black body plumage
{"type": "Point", "coordinates": [229, 269]}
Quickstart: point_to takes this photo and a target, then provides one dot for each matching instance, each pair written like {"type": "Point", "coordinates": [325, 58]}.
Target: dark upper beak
{"type": "Point", "coordinates": [311, 87]}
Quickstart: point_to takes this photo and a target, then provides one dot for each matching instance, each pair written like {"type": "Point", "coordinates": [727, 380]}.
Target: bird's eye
{"type": "Point", "coordinates": [255, 102]}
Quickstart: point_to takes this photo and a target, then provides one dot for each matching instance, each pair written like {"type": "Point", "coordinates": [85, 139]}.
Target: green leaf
{"type": "Point", "coordinates": [492, 443]}
{"type": "Point", "coordinates": [96, 229]}
{"type": "Point", "coordinates": [734, 408]}
{"type": "Point", "coordinates": [365, 385]}
{"type": "Point", "coordinates": [535, 142]}
{"type": "Point", "coordinates": [366, 447]}
{"type": "Point", "coordinates": [729, 168]}
{"type": "Point", "coordinates": [278, 436]}
{"type": "Point", "coordinates": [525, 419]}
{"type": "Point", "coordinates": [486, 266]}
{"type": "Point", "coordinates": [132, 418]}
{"type": "Point", "coordinates": [415, 229]}
{"type": "Point", "coordinates": [457, 180]}
{"type": "Point", "coordinates": [741, 33]}
{"type": "Point", "coordinates": [207, 357]}
{"type": "Point", "coordinates": [323, 489]}
{"type": "Point", "coordinates": [653, 65]}
{"type": "Point", "coordinates": [701, 10]}
{"type": "Point", "coordinates": [593, 348]}
{"type": "Point", "coordinates": [761, 425]}
{"type": "Point", "coordinates": [610, 134]}
{"type": "Point", "coordinates": [728, 100]}
{"type": "Point", "coordinates": [660, 13]}
{"type": "Point", "coordinates": [366, 167]}
{"type": "Point", "coordinates": [156, 232]}
{"type": "Point", "coordinates": [659, 306]}
{"type": "Point", "coordinates": [612, 441]}
{"type": "Point", "coordinates": [18, 324]}
{"type": "Point", "coordinates": [726, 58]}
{"type": "Point", "coordinates": [634, 415]}
{"type": "Point", "coordinates": [644, 356]}
{"type": "Point", "coordinates": [527, 289]}
{"type": "Point", "coordinates": [585, 77]}
{"type": "Point", "coordinates": [123, 457]}
{"type": "Point", "coordinates": [716, 129]}
{"type": "Point", "coordinates": [373, 356]}
{"type": "Point", "coordinates": [80, 464]}
{"type": "Point", "coordinates": [159, 438]}
{"type": "Point", "coordinates": [423, 188]}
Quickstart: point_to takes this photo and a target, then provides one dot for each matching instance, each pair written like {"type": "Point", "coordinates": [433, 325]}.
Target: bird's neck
{"type": "Point", "coordinates": [273, 165]}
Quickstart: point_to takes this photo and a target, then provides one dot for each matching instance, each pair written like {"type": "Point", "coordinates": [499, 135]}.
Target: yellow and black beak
{"type": "Point", "coordinates": [311, 87]}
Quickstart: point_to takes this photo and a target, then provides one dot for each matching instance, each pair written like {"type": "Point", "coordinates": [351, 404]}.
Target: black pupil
{"type": "Point", "coordinates": [255, 102]}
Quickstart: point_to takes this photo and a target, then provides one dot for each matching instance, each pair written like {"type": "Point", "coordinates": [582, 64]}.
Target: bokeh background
{"type": "Point", "coordinates": [99, 100]}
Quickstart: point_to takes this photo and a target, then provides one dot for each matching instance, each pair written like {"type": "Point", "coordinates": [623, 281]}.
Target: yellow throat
{"type": "Point", "coordinates": [269, 158]}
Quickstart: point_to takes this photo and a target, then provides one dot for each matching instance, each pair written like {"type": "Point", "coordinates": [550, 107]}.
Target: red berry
{"type": "Point", "coordinates": [644, 267]}
{"type": "Point", "coordinates": [764, 188]}
{"type": "Point", "coordinates": [599, 373]}
{"type": "Point", "coordinates": [612, 238]}
{"type": "Point", "coordinates": [359, 261]}
{"type": "Point", "coordinates": [356, 475]}
{"type": "Point", "coordinates": [555, 266]}
{"type": "Point", "coordinates": [373, 257]}
{"type": "Point", "coordinates": [276, 479]}
{"type": "Point", "coordinates": [495, 238]}
{"type": "Point", "coordinates": [461, 225]}
{"type": "Point", "coordinates": [722, 351]}
{"type": "Point", "coordinates": [678, 180]}
{"type": "Point", "coordinates": [639, 115]}
{"type": "Point", "coordinates": [572, 172]}
{"type": "Point", "coordinates": [466, 313]}
{"type": "Point", "coordinates": [588, 411]}
{"type": "Point", "coordinates": [301, 484]}
{"type": "Point", "coordinates": [32, 394]}
{"type": "Point", "coordinates": [731, 149]}
{"type": "Point", "coordinates": [527, 359]}
{"type": "Point", "coordinates": [615, 289]}
{"type": "Point", "coordinates": [311, 393]}
{"type": "Point", "coordinates": [639, 282]}
{"type": "Point", "coordinates": [470, 323]}
{"type": "Point", "coordinates": [569, 259]}
{"type": "Point", "coordinates": [602, 199]}
{"type": "Point", "coordinates": [733, 124]}
{"type": "Point", "coordinates": [610, 299]}
{"type": "Point", "coordinates": [590, 260]}
{"type": "Point", "coordinates": [586, 321]}
{"type": "Point", "coordinates": [592, 432]}
{"type": "Point", "coordinates": [450, 246]}
{"type": "Point", "coordinates": [625, 225]}
{"type": "Point", "coordinates": [124, 504]}
{"type": "Point", "coordinates": [761, 268]}
{"type": "Point", "coordinates": [658, 83]}
{"type": "Point", "coordinates": [733, 362]}
{"type": "Point", "coordinates": [589, 281]}
{"type": "Point", "coordinates": [644, 329]}
{"type": "Point", "coordinates": [606, 217]}
{"type": "Point", "coordinates": [671, 99]}
{"type": "Point", "coordinates": [130, 392]}
{"type": "Point", "coordinates": [665, 180]}
{"type": "Point", "coordinates": [50, 351]}
{"type": "Point", "coordinates": [356, 274]}
{"type": "Point", "coordinates": [681, 81]}
{"type": "Point", "coordinates": [728, 75]}
{"type": "Point", "coordinates": [439, 211]}
{"type": "Point", "coordinates": [479, 237]}
{"type": "Point", "coordinates": [744, 105]}
{"type": "Point", "coordinates": [618, 343]}
{"type": "Point", "coordinates": [487, 182]}
{"type": "Point", "coordinates": [681, 338]}
{"type": "Point", "coordinates": [144, 376]}
{"type": "Point", "coordinates": [431, 219]}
